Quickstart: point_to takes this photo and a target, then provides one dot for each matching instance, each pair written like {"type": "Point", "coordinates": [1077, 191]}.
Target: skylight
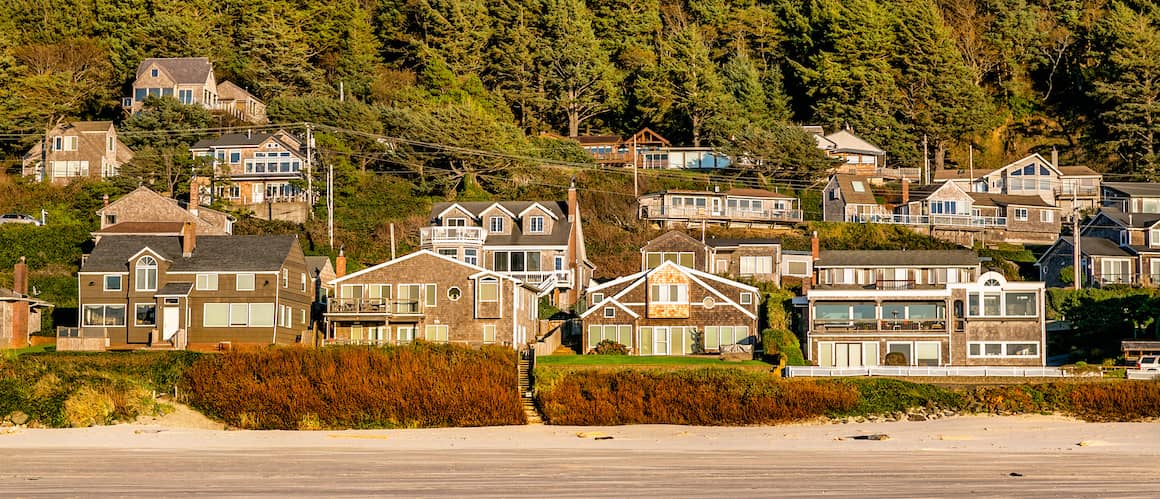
{"type": "Point", "coordinates": [858, 187]}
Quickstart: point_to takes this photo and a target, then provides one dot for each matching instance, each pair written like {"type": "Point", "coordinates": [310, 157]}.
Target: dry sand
{"type": "Point", "coordinates": [1026, 456]}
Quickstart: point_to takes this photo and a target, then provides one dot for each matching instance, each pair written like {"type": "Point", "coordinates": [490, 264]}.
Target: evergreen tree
{"type": "Point", "coordinates": [1128, 89]}
{"type": "Point", "coordinates": [579, 78]}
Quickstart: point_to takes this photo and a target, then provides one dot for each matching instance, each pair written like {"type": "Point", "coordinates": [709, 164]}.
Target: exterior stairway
{"type": "Point", "coordinates": [529, 404]}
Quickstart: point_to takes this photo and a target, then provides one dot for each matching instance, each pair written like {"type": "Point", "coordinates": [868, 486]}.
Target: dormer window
{"type": "Point", "coordinates": [146, 274]}
{"type": "Point", "coordinates": [455, 222]}
{"type": "Point", "coordinates": [495, 224]}
{"type": "Point", "coordinates": [536, 225]}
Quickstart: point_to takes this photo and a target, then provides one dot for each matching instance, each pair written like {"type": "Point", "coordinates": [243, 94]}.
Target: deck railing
{"type": "Point", "coordinates": [948, 220]}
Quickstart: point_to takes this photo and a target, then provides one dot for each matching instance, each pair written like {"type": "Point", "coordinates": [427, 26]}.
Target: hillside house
{"type": "Point", "coordinates": [732, 208]}
{"type": "Point", "coordinates": [144, 212]}
{"type": "Point", "coordinates": [1132, 197]}
{"type": "Point", "coordinates": [193, 291]}
{"type": "Point", "coordinates": [857, 156]}
{"type": "Point", "coordinates": [432, 297]}
{"type": "Point", "coordinates": [266, 170]}
{"type": "Point", "coordinates": [756, 259]}
{"type": "Point", "coordinates": [240, 104]}
{"type": "Point", "coordinates": [540, 243]}
{"type": "Point", "coordinates": [851, 198]}
{"type": "Point", "coordinates": [920, 308]}
{"type": "Point", "coordinates": [1115, 248]}
{"type": "Point", "coordinates": [77, 149]}
{"type": "Point", "coordinates": [648, 149]}
{"type": "Point", "coordinates": [672, 310]}
{"type": "Point", "coordinates": [191, 81]}
{"type": "Point", "coordinates": [1065, 187]}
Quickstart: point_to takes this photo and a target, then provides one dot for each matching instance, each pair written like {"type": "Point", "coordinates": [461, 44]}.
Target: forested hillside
{"type": "Point", "coordinates": [1006, 76]}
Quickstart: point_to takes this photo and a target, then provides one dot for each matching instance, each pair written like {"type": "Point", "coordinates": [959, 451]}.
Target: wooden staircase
{"type": "Point", "coordinates": [526, 400]}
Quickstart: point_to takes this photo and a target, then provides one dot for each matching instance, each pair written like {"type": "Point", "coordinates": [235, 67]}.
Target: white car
{"type": "Point", "coordinates": [17, 218]}
{"type": "Point", "coordinates": [1148, 363]}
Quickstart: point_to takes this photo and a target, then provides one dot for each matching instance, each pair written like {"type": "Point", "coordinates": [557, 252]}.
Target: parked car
{"type": "Point", "coordinates": [1149, 363]}
{"type": "Point", "coordinates": [17, 218]}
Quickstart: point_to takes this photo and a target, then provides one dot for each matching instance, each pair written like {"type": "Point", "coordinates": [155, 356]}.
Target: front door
{"type": "Point", "coordinates": [848, 355]}
{"type": "Point", "coordinates": [661, 341]}
{"type": "Point", "coordinates": [258, 194]}
{"type": "Point", "coordinates": [716, 206]}
{"type": "Point", "coordinates": [170, 322]}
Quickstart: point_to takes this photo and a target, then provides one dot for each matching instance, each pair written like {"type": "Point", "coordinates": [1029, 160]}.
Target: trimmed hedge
{"type": "Point", "coordinates": [418, 385]}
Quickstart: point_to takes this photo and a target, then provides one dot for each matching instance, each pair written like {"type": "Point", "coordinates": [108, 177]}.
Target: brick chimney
{"type": "Point", "coordinates": [905, 191]}
{"type": "Point", "coordinates": [188, 239]}
{"type": "Point", "coordinates": [573, 204]}
{"type": "Point", "coordinates": [194, 197]}
{"type": "Point", "coordinates": [815, 252]}
{"type": "Point", "coordinates": [20, 309]}
{"type": "Point", "coordinates": [1055, 157]}
{"type": "Point", "coordinates": [106, 198]}
{"type": "Point", "coordinates": [20, 277]}
{"type": "Point", "coordinates": [340, 264]}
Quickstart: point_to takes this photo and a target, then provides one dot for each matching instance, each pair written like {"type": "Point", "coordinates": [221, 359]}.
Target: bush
{"type": "Point", "coordinates": [418, 385]}
{"type": "Point", "coordinates": [896, 359]}
{"type": "Point", "coordinates": [609, 347]}
{"type": "Point", "coordinates": [693, 396]}
{"type": "Point", "coordinates": [783, 343]}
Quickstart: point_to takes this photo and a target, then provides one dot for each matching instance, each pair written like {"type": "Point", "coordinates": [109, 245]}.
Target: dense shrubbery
{"type": "Point", "coordinates": [609, 347]}
{"type": "Point", "coordinates": [785, 344]}
{"type": "Point", "coordinates": [694, 396]}
{"type": "Point", "coordinates": [419, 385]}
{"type": "Point", "coordinates": [61, 390]}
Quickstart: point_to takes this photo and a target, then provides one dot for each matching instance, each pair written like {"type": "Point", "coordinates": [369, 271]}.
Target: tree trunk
{"type": "Point", "coordinates": [940, 156]}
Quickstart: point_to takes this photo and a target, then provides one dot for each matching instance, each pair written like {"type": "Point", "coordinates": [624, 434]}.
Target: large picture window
{"type": "Point", "coordinates": [754, 265]}
{"type": "Point", "coordinates": [104, 315]}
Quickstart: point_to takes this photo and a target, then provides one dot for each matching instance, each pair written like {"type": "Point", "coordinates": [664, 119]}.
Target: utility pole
{"type": "Point", "coordinates": [971, 163]}
{"type": "Point", "coordinates": [635, 185]}
{"type": "Point", "coordinates": [330, 203]}
{"type": "Point", "coordinates": [925, 161]}
{"type": "Point", "coordinates": [1075, 239]}
{"type": "Point", "coordinates": [310, 170]}
{"type": "Point", "coordinates": [392, 240]}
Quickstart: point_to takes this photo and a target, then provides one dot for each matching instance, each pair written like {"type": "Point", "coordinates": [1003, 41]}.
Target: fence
{"type": "Point", "coordinates": [982, 371]}
{"type": "Point", "coordinates": [1138, 374]}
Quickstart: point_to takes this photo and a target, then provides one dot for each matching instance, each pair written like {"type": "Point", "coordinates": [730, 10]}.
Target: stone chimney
{"type": "Point", "coordinates": [340, 264]}
{"type": "Point", "coordinates": [905, 191]}
{"type": "Point", "coordinates": [188, 239]}
{"type": "Point", "coordinates": [20, 277]}
{"type": "Point", "coordinates": [1055, 157]}
{"type": "Point", "coordinates": [194, 197]}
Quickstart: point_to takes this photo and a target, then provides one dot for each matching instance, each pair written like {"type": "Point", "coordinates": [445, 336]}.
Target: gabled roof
{"type": "Point", "coordinates": [8, 295]}
{"type": "Point", "coordinates": [725, 242]}
{"type": "Point", "coordinates": [696, 276]}
{"type": "Point", "coordinates": [897, 258]}
{"type": "Point", "coordinates": [142, 228]}
{"type": "Point", "coordinates": [597, 139]}
{"type": "Point", "coordinates": [246, 139]}
{"type": "Point", "coordinates": [1127, 220]}
{"type": "Point", "coordinates": [210, 254]}
{"type": "Point", "coordinates": [990, 199]}
{"type": "Point", "coordinates": [319, 263]}
{"type": "Point", "coordinates": [541, 207]}
{"type": "Point", "coordinates": [1090, 246]}
{"type": "Point", "coordinates": [558, 209]}
{"type": "Point", "coordinates": [674, 234]}
{"type": "Point", "coordinates": [1033, 158]}
{"type": "Point", "coordinates": [849, 194]}
{"type": "Point", "coordinates": [846, 141]}
{"type": "Point", "coordinates": [181, 69]}
{"type": "Point", "coordinates": [227, 90]}
{"type": "Point", "coordinates": [207, 218]}
{"type": "Point", "coordinates": [942, 175]}
{"type": "Point", "coordinates": [1141, 189]}
{"type": "Point", "coordinates": [1078, 171]}
{"type": "Point", "coordinates": [88, 126]}
{"type": "Point", "coordinates": [478, 270]}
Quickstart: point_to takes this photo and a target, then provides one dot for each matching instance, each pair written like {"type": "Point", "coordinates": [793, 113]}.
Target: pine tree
{"type": "Point", "coordinates": [579, 78]}
{"type": "Point", "coordinates": [1128, 90]}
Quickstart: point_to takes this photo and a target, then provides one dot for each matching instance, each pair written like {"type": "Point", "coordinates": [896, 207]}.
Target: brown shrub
{"type": "Point", "coordinates": [1120, 401]}
{"type": "Point", "coordinates": [419, 385]}
{"type": "Point", "coordinates": [694, 396]}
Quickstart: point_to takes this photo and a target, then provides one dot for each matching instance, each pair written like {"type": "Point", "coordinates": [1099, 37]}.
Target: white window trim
{"type": "Point", "coordinates": [120, 282]}
{"type": "Point", "coordinates": [532, 225]}
{"type": "Point", "coordinates": [609, 312]}
{"type": "Point", "coordinates": [104, 306]}
{"type": "Point", "coordinates": [1004, 355]}
{"type": "Point", "coordinates": [140, 324]}
{"type": "Point", "coordinates": [207, 287]}
{"type": "Point", "coordinates": [746, 298]}
{"type": "Point", "coordinates": [238, 282]}
{"type": "Point", "coordinates": [493, 222]}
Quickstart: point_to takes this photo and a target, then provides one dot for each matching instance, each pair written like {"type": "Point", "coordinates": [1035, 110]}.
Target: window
{"type": "Point", "coordinates": [536, 225]}
{"type": "Point", "coordinates": [1046, 216]}
{"type": "Point", "coordinates": [245, 282]}
{"type": "Point", "coordinates": [207, 282]}
{"type": "Point", "coordinates": [104, 315]}
{"type": "Point", "coordinates": [110, 219]}
{"type": "Point", "coordinates": [456, 222]}
{"type": "Point", "coordinates": [436, 333]}
{"type": "Point", "coordinates": [559, 261]}
{"type": "Point", "coordinates": [239, 314]}
{"type": "Point", "coordinates": [669, 293]}
{"type": "Point", "coordinates": [595, 298]}
{"type": "Point", "coordinates": [1002, 349]}
{"type": "Point", "coordinates": [609, 312]}
{"type": "Point", "coordinates": [1003, 304]}
{"type": "Point", "coordinates": [495, 224]}
{"type": "Point", "coordinates": [185, 96]}
{"type": "Point", "coordinates": [488, 289]}
{"type": "Point", "coordinates": [797, 268]}
{"type": "Point", "coordinates": [1021, 214]}
{"type": "Point", "coordinates": [746, 298]}
{"type": "Point", "coordinates": [430, 295]}
{"type": "Point", "coordinates": [618, 333]}
{"type": "Point", "coordinates": [216, 315]}
{"type": "Point", "coordinates": [516, 261]}
{"type": "Point", "coordinates": [449, 252]}
{"type": "Point", "coordinates": [153, 72]}
{"type": "Point", "coordinates": [753, 265]}
{"type": "Point", "coordinates": [303, 282]}
{"type": "Point", "coordinates": [708, 302]}
{"type": "Point", "coordinates": [146, 314]}
{"type": "Point", "coordinates": [405, 334]}
{"type": "Point", "coordinates": [489, 333]}
{"type": "Point", "coordinates": [285, 278]}
{"type": "Point", "coordinates": [408, 299]}
{"type": "Point", "coordinates": [112, 283]}
{"type": "Point", "coordinates": [471, 256]}
{"type": "Point", "coordinates": [146, 276]}
{"type": "Point", "coordinates": [453, 293]}
{"type": "Point", "coordinates": [682, 258]}
{"type": "Point", "coordinates": [715, 336]}
{"type": "Point", "coordinates": [1020, 304]}
{"type": "Point", "coordinates": [857, 185]}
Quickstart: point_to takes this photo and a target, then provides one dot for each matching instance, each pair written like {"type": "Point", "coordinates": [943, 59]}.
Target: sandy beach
{"type": "Point", "coordinates": [1026, 456]}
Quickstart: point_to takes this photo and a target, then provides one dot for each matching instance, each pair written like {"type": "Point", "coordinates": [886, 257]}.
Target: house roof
{"type": "Point", "coordinates": [991, 199]}
{"type": "Point", "coordinates": [639, 278]}
{"type": "Point", "coordinates": [846, 141]}
{"type": "Point", "coordinates": [756, 193]}
{"type": "Point", "coordinates": [207, 218]}
{"type": "Point", "coordinates": [846, 185]}
{"type": "Point", "coordinates": [597, 139]}
{"type": "Point", "coordinates": [897, 258]}
{"type": "Point", "coordinates": [155, 228]}
{"type": "Point", "coordinates": [558, 209]}
{"type": "Point", "coordinates": [1078, 171]}
{"type": "Point", "coordinates": [227, 90]}
{"type": "Point", "coordinates": [210, 254]}
{"type": "Point", "coordinates": [725, 242]}
{"type": "Point", "coordinates": [88, 126]}
{"type": "Point", "coordinates": [1130, 220]}
{"type": "Point", "coordinates": [181, 69]}
{"type": "Point", "coordinates": [1097, 246]}
{"type": "Point", "coordinates": [175, 289]}
{"type": "Point", "coordinates": [8, 295]}
{"type": "Point", "coordinates": [1144, 189]}
{"type": "Point", "coordinates": [244, 139]}
{"type": "Point", "coordinates": [814, 129]}
{"type": "Point", "coordinates": [314, 263]}
{"type": "Point", "coordinates": [941, 175]}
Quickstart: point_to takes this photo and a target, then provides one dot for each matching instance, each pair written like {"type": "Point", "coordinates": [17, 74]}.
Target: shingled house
{"type": "Point", "coordinates": [191, 81]}
{"type": "Point", "coordinates": [434, 298]}
{"type": "Point", "coordinates": [194, 291]}
{"type": "Point", "coordinates": [750, 258]}
{"type": "Point", "coordinates": [731, 208]}
{"type": "Point", "coordinates": [672, 310]}
{"type": "Point", "coordinates": [266, 170]}
{"type": "Point", "coordinates": [144, 212]}
{"type": "Point", "coordinates": [1115, 248]}
{"type": "Point", "coordinates": [77, 149]}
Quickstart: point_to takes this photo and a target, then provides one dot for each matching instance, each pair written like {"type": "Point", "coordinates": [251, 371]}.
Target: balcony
{"type": "Point", "coordinates": [883, 325]}
{"type": "Point", "coordinates": [1110, 279]}
{"type": "Point", "coordinates": [563, 277]}
{"type": "Point", "coordinates": [943, 220]}
{"type": "Point", "coordinates": [1066, 191]}
{"type": "Point", "coordinates": [374, 306]}
{"type": "Point", "coordinates": [429, 236]}
{"type": "Point", "coordinates": [730, 214]}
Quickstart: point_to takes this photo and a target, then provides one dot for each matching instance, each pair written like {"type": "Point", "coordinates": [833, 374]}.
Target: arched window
{"type": "Point", "coordinates": [146, 274]}
{"type": "Point", "coordinates": [991, 283]}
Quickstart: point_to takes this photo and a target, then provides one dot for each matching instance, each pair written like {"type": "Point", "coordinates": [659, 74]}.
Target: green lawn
{"type": "Point", "coordinates": [12, 354]}
{"type": "Point", "coordinates": [674, 362]}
